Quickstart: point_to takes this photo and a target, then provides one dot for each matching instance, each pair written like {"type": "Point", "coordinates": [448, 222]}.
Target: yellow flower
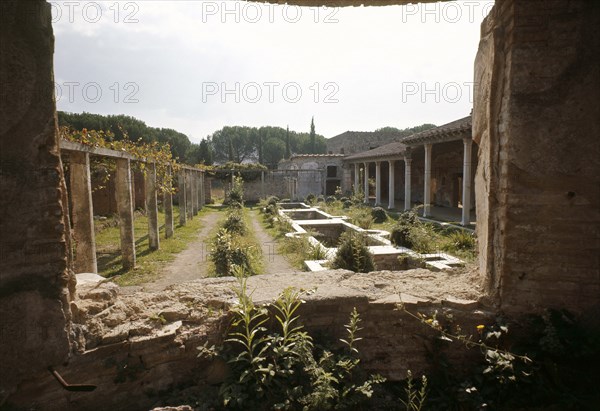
{"type": "Point", "coordinates": [480, 328]}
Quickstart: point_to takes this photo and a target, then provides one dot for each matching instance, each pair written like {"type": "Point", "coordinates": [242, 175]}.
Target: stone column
{"type": "Point", "coordinates": [356, 178]}
{"type": "Point", "coordinates": [182, 197]}
{"type": "Point", "coordinates": [466, 195]}
{"type": "Point", "coordinates": [407, 182]}
{"type": "Point", "coordinates": [202, 194]}
{"type": "Point", "coordinates": [366, 183]}
{"type": "Point", "coordinates": [427, 187]}
{"type": "Point", "coordinates": [152, 207]}
{"type": "Point", "coordinates": [391, 185]}
{"type": "Point", "coordinates": [168, 205]}
{"type": "Point", "coordinates": [201, 188]}
{"type": "Point", "coordinates": [83, 214]}
{"type": "Point", "coordinates": [194, 191]}
{"type": "Point", "coordinates": [189, 195]}
{"type": "Point", "coordinates": [125, 208]}
{"type": "Point", "coordinates": [378, 183]}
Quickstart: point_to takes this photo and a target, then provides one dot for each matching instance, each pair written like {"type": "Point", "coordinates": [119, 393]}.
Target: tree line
{"type": "Point", "coordinates": [266, 145]}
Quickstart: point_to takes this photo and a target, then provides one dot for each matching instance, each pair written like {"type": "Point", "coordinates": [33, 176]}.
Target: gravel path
{"type": "Point", "coordinates": [275, 263]}
{"type": "Point", "coordinates": [190, 264]}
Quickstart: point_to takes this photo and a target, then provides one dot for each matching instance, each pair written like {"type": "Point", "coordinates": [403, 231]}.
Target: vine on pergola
{"type": "Point", "coordinates": [154, 152]}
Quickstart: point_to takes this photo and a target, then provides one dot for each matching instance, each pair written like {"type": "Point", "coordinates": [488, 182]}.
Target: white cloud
{"type": "Point", "coordinates": [389, 65]}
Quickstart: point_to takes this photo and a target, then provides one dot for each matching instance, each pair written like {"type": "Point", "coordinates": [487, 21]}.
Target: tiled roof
{"type": "Point", "coordinates": [383, 135]}
{"type": "Point", "coordinates": [395, 148]}
{"type": "Point", "coordinates": [316, 155]}
{"type": "Point", "coordinates": [454, 130]}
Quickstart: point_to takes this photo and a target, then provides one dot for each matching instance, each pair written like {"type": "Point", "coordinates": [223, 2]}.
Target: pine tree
{"type": "Point", "coordinates": [313, 148]}
{"type": "Point", "coordinates": [288, 151]}
{"type": "Point", "coordinates": [260, 147]}
{"type": "Point", "coordinates": [231, 157]}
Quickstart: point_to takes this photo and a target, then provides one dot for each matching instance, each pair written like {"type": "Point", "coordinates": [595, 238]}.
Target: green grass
{"type": "Point", "coordinates": [148, 263]}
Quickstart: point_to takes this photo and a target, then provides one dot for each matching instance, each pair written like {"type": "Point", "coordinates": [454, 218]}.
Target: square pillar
{"type": "Point", "coordinates": [152, 207]}
{"type": "Point", "coordinates": [407, 182]}
{"type": "Point", "coordinates": [125, 208]}
{"type": "Point", "coordinates": [189, 195]}
{"type": "Point", "coordinates": [168, 205]}
{"type": "Point", "coordinates": [83, 213]}
{"type": "Point", "coordinates": [391, 185]}
{"type": "Point", "coordinates": [466, 194]}
{"type": "Point", "coordinates": [366, 183]}
{"type": "Point", "coordinates": [194, 191]}
{"type": "Point", "coordinates": [378, 183]}
{"type": "Point", "coordinates": [182, 197]}
{"type": "Point", "coordinates": [427, 187]}
{"type": "Point", "coordinates": [356, 178]}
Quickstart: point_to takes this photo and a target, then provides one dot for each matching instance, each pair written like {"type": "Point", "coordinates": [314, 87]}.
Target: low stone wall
{"type": "Point", "coordinates": [140, 349]}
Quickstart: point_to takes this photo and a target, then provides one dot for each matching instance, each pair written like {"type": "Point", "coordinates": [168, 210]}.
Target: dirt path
{"type": "Point", "coordinates": [190, 264]}
{"type": "Point", "coordinates": [275, 263]}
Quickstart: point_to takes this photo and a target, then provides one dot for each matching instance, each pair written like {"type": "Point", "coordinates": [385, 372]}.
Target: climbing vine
{"type": "Point", "coordinates": [148, 153]}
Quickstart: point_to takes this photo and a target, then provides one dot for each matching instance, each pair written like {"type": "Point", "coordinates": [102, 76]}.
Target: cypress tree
{"type": "Point", "coordinates": [312, 136]}
{"type": "Point", "coordinates": [288, 151]}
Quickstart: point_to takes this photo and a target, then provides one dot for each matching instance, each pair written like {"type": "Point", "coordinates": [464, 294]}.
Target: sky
{"type": "Point", "coordinates": [196, 66]}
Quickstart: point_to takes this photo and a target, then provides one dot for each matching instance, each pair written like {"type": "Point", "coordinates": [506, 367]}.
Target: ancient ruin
{"type": "Point", "coordinates": [536, 127]}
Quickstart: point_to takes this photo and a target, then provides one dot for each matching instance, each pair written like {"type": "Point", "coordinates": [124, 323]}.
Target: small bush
{"type": "Point", "coordinates": [235, 224]}
{"type": "Point", "coordinates": [342, 199]}
{"type": "Point", "coordinates": [271, 210]}
{"type": "Point", "coordinates": [235, 197]}
{"type": "Point", "coordinates": [330, 199]}
{"type": "Point", "coordinates": [320, 199]}
{"type": "Point", "coordinates": [353, 253]}
{"type": "Point", "coordinates": [400, 236]}
{"type": "Point", "coordinates": [272, 200]}
{"type": "Point", "coordinates": [379, 215]}
{"type": "Point", "coordinates": [347, 203]}
{"type": "Point", "coordinates": [310, 199]}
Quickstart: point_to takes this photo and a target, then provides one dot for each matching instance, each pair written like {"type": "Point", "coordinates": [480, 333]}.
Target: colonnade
{"type": "Point", "coordinates": [191, 198]}
{"type": "Point", "coordinates": [406, 158]}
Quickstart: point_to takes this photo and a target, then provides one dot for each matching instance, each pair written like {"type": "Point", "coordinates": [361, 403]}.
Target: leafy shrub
{"type": "Point", "coordinates": [353, 253]}
{"type": "Point", "coordinates": [281, 368]}
{"type": "Point", "coordinates": [320, 199]}
{"type": "Point", "coordinates": [235, 197]}
{"type": "Point", "coordinates": [347, 203]}
{"type": "Point", "coordinates": [342, 199]}
{"type": "Point", "coordinates": [401, 234]}
{"type": "Point", "coordinates": [379, 215]}
{"type": "Point", "coordinates": [330, 199]}
{"type": "Point", "coordinates": [310, 199]}
{"type": "Point", "coordinates": [234, 223]}
{"type": "Point", "coordinates": [227, 252]}
{"type": "Point", "coordinates": [271, 210]}
{"type": "Point", "coordinates": [272, 200]}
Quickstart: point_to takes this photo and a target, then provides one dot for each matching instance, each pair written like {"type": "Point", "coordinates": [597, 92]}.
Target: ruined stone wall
{"type": "Point", "coordinates": [138, 361]}
{"type": "Point", "coordinates": [34, 259]}
{"type": "Point", "coordinates": [537, 120]}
